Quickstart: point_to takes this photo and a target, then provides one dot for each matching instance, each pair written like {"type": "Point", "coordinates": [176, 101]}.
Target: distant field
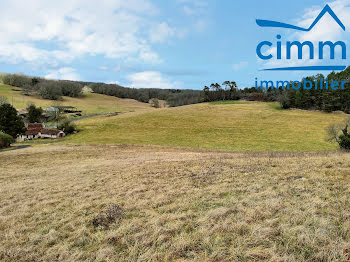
{"type": "Point", "coordinates": [176, 205]}
{"type": "Point", "coordinates": [89, 104]}
{"type": "Point", "coordinates": [237, 126]}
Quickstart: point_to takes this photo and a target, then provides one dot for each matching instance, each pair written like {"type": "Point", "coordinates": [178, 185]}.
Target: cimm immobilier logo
{"type": "Point", "coordinates": [331, 46]}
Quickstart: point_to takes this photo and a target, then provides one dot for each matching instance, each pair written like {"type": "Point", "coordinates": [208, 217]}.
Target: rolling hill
{"type": "Point", "coordinates": [233, 126]}
{"type": "Point", "coordinates": [239, 126]}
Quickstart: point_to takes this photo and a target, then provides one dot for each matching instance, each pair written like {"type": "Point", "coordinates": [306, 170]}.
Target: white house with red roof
{"type": "Point", "coordinates": [38, 130]}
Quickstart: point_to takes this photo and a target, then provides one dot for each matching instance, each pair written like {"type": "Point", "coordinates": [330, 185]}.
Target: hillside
{"type": "Point", "coordinates": [90, 104]}
{"type": "Point", "coordinates": [237, 126]}
{"type": "Point", "coordinates": [234, 126]}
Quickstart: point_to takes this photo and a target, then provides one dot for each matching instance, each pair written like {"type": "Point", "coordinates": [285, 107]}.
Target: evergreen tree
{"type": "Point", "coordinates": [34, 114]}
{"type": "Point", "coordinates": [10, 122]}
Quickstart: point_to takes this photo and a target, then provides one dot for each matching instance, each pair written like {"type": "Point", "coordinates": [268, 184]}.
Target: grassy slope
{"type": "Point", "coordinates": [243, 126]}
{"type": "Point", "coordinates": [177, 205]}
{"type": "Point", "coordinates": [90, 103]}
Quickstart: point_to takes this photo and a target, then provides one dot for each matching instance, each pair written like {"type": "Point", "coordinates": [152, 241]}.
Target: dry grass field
{"type": "Point", "coordinates": [133, 203]}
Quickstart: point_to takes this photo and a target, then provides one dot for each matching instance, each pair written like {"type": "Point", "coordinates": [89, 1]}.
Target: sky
{"type": "Point", "coordinates": [176, 44]}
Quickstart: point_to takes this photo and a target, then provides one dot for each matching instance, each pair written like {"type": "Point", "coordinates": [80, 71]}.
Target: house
{"type": "Point", "coordinates": [38, 130]}
{"type": "Point", "coordinates": [52, 109]}
{"type": "Point", "coordinates": [32, 126]}
{"type": "Point", "coordinates": [29, 135]}
{"type": "Point", "coordinates": [33, 132]}
{"type": "Point", "coordinates": [62, 109]}
{"type": "Point", "coordinates": [49, 133]}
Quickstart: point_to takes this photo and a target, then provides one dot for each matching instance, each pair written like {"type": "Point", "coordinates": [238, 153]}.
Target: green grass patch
{"type": "Point", "coordinates": [249, 126]}
{"type": "Point", "coordinates": [230, 102]}
{"type": "Point", "coordinates": [275, 106]}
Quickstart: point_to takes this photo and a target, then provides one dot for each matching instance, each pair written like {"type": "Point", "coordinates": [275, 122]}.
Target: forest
{"type": "Point", "coordinates": [327, 100]}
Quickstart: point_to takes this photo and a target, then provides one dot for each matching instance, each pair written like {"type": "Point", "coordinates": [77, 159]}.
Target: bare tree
{"type": "Point", "coordinates": [339, 133]}
{"type": "Point", "coordinates": [3, 100]}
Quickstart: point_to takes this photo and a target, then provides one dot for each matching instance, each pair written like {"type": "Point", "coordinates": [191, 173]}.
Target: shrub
{"type": "Point", "coordinates": [112, 214]}
{"type": "Point", "coordinates": [5, 140]}
{"type": "Point", "coordinates": [284, 102]}
{"type": "Point", "coordinates": [155, 103]}
{"type": "Point", "coordinates": [339, 133]}
{"type": "Point", "coordinates": [344, 139]}
{"type": "Point", "coordinates": [3, 100]}
{"type": "Point", "coordinates": [67, 126]}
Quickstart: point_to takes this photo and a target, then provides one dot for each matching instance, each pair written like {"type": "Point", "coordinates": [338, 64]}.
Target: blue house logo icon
{"type": "Point", "coordinates": [327, 9]}
{"type": "Point", "coordinates": [321, 45]}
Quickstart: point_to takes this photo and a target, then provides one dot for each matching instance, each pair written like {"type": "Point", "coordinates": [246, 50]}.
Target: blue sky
{"type": "Point", "coordinates": [154, 43]}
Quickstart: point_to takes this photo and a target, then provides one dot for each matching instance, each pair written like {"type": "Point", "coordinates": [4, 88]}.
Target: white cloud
{"type": "Point", "coordinates": [149, 56]}
{"type": "Point", "coordinates": [52, 32]}
{"type": "Point", "coordinates": [240, 65]}
{"type": "Point", "coordinates": [152, 79]}
{"type": "Point", "coordinates": [193, 7]}
{"type": "Point", "coordinates": [113, 82]}
{"type": "Point", "coordinates": [112, 69]}
{"type": "Point", "coordinates": [161, 33]}
{"type": "Point", "coordinates": [65, 73]}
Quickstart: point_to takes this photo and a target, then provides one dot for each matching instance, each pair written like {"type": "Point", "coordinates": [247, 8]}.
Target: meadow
{"type": "Point", "coordinates": [143, 203]}
{"type": "Point", "coordinates": [233, 126]}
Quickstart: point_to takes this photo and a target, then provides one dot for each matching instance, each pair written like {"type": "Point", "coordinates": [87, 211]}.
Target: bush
{"type": "Point", "coordinates": [67, 126]}
{"type": "Point", "coordinates": [104, 219]}
{"type": "Point", "coordinates": [339, 133]}
{"type": "Point", "coordinates": [3, 100]}
{"type": "Point", "coordinates": [344, 141]}
{"type": "Point", "coordinates": [155, 103]}
{"type": "Point", "coordinates": [5, 140]}
{"type": "Point", "coordinates": [284, 102]}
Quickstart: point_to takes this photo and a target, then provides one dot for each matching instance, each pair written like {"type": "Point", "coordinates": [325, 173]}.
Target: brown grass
{"type": "Point", "coordinates": [173, 205]}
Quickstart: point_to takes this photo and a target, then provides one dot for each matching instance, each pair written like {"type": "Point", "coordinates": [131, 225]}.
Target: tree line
{"type": "Point", "coordinates": [313, 98]}
{"type": "Point", "coordinates": [47, 89]}
{"type": "Point", "coordinates": [55, 89]}
{"type": "Point", "coordinates": [228, 90]}
{"type": "Point", "coordinates": [326, 99]}
{"type": "Point", "coordinates": [320, 99]}
{"type": "Point", "coordinates": [173, 97]}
